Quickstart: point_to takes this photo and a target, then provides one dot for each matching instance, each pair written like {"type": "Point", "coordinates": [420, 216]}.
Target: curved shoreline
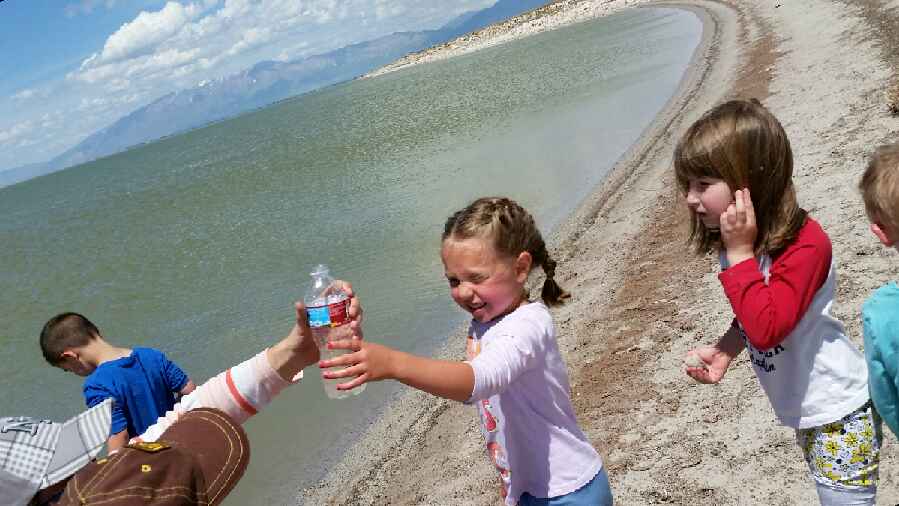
{"type": "Point", "coordinates": [717, 46]}
{"type": "Point", "coordinates": [549, 17]}
{"type": "Point", "coordinates": [386, 452]}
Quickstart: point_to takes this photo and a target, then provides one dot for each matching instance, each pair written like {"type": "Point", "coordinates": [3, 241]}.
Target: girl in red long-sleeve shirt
{"type": "Point", "coordinates": [735, 165]}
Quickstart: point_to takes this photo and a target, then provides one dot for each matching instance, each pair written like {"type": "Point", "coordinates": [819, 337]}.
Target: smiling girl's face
{"type": "Point", "coordinates": [708, 198]}
{"type": "Point", "coordinates": [482, 282]}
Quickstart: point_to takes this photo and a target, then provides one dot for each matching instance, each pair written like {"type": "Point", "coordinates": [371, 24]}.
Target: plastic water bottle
{"type": "Point", "coordinates": [327, 307]}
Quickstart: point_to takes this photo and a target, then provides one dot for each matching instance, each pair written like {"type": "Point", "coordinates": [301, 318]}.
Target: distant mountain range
{"type": "Point", "coordinates": [263, 84]}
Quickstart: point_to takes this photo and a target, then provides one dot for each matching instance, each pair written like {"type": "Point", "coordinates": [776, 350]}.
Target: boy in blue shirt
{"type": "Point", "coordinates": [880, 314]}
{"type": "Point", "coordinates": [142, 381]}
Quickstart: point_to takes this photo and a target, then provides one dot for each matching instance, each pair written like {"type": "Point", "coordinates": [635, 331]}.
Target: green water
{"type": "Point", "coordinates": [199, 244]}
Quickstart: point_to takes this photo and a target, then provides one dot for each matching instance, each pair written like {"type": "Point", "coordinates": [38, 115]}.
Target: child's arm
{"type": "Point", "coordinates": [176, 379]}
{"type": "Point", "coordinates": [189, 387]}
{"type": "Point", "coordinates": [375, 362]}
{"type": "Point", "coordinates": [298, 350]}
{"type": "Point", "coordinates": [490, 373]}
{"type": "Point", "coordinates": [117, 441]}
{"type": "Point", "coordinates": [770, 311]}
{"type": "Point", "coordinates": [883, 379]}
{"type": "Point", "coordinates": [717, 358]}
{"type": "Point", "coordinates": [96, 392]}
{"type": "Point", "coordinates": [245, 389]}
{"type": "Point", "coordinates": [883, 387]}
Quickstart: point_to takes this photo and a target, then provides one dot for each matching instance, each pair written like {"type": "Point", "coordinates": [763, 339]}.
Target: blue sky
{"type": "Point", "coordinates": [72, 67]}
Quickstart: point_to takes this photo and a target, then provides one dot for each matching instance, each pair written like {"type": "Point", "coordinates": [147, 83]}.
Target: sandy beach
{"type": "Point", "coordinates": [823, 67]}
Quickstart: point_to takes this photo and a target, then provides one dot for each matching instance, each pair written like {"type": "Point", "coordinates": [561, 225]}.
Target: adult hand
{"type": "Point", "coordinates": [715, 363]}
{"type": "Point", "coordinates": [300, 337]}
{"type": "Point", "coordinates": [738, 228]}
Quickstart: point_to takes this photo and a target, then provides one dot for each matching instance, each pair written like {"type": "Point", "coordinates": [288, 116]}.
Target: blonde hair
{"type": "Point", "coordinates": [511, 230]}
{"type": "Point", "coordinates": [880, 187]}
{"type": "Point", "coordinates": [743, 144]}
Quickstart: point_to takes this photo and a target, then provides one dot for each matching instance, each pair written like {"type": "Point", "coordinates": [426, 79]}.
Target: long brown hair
{"type": "Point", "coordinates": [742, 143]}
{"type": "Point", "coordinates": [511, 230]}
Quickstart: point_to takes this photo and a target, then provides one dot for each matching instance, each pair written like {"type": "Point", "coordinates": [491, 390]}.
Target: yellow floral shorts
{"type": "Point", "coordinates": [844, 454]}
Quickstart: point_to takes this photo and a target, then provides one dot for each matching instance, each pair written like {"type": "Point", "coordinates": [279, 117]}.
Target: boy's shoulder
{"type": "Point", "coordinates": [885, 298]}
{"type": "Point", "coordinates": [105, 376]}
{"type": "Point", "coordinates": [107, 370]}
{"type": "Point", "coordinates": [880, 319]}
{"type": "Point", "coordinates": [151, 357]}
{"type": "Point", "coordinates": [146, 352]}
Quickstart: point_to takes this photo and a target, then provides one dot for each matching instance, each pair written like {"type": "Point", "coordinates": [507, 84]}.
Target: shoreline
{"type": "Point", "coordinates": [642, 298]}
{"type": "Point", "coordinates": [554, 15]}
{"type": "Point", "coordinates": [414, 417]}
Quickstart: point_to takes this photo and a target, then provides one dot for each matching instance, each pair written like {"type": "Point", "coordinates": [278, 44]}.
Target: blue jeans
{"type": "Point", "coordinates": [595, 493]}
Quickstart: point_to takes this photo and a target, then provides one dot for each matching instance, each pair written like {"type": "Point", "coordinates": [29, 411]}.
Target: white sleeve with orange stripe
{"type": "Point", "coordinates": [241, 392]}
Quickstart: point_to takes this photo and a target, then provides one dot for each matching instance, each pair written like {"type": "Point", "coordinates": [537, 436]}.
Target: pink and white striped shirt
{"type": "Point", "coordinates": [241, 392]}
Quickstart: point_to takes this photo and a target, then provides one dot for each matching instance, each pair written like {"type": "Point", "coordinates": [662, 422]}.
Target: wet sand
{"type": "Point", "coordinates": [642, 299]}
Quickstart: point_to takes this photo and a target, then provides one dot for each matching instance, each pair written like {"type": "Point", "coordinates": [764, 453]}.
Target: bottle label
{"type": "Point", "coordinates": [332, 315]}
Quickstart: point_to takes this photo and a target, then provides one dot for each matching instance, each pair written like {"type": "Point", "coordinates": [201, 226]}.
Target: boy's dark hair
{"type": "Point", "coordinates": [741, 142]}
{"type": "Point", "coordinates": [64, 332]}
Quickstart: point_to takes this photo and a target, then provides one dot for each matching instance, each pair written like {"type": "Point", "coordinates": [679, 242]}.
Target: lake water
{"type": "Point", "coordinates": [198, 244]}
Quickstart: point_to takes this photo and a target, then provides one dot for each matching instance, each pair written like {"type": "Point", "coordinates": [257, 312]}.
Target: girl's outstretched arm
{"type": "Point", "coordinates": [375, 362]}
{"type": "Point", "coordinates": [715, 359]}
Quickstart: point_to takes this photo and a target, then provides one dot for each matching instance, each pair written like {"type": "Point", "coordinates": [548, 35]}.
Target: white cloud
{"type": "Point", "coordinates": [102, 104]}
{"type": "Point", "coordinates": [237, 8]}
{"type": "Point", "coordinates": [159, 44]}
{"type": "Point", "coordinates": [251, 38]}
{"type": "Point", "coordinates": [118, 84]}
{"type": "Point", "coordinates": [91, 103]}
{"type": "Point", "coordinates": [155, 65]}
{"type": "Point", "coordinates": [24, 94]}
{"type": "Point", "coordinates": [190, 41]}
{"type": "Point", "coordinates": [24, 142]}
{"type": "Point", "coordinates": [388, 8]}
{"type": "Point", "coordinates": [87, 6]}
{"type": "Point", "coordinates": [146, 32]}
{"type": "Point", "coordinates": [168, 59]}
{"type": "Point", "coordinates": [51, 120]}
{"type": "Point", "coordinates": [16, 133]}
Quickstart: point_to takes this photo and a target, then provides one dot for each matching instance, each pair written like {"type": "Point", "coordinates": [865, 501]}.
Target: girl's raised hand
{"type": "Point", "coordinates": [738, 228]}
{"type": "Point", "coordinates": [366, 362]}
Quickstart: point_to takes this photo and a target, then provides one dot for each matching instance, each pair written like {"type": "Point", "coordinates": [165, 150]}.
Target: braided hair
{"type": "Point", "coordinates": [511, 230]}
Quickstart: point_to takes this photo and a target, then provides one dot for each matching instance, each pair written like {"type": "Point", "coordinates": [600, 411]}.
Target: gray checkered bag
{"type": "Point", "coordinates": [35, 454]}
